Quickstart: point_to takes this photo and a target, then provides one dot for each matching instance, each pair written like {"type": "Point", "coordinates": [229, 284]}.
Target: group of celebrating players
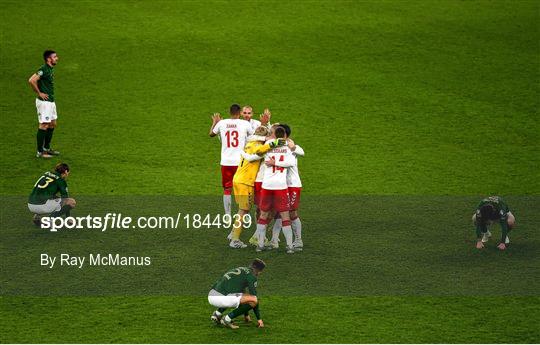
{"type": "Point", "coordinates": [259, 165]}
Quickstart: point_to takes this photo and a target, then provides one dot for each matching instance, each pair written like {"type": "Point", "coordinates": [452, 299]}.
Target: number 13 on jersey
{"type": "Point", "coordinates": [232, 138]}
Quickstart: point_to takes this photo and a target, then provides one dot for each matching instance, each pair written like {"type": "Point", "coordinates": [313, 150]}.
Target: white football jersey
{"type": "Point", "coordinates": [293, 175]}
{"type": "Point", "coordinates": [254, 124]}
{"type": "Point", "coordinates": [233, 134]}
{"type": "Point", "coordinates": [275, 177]}
{"type": "Point", "coordinates": [260, 173]}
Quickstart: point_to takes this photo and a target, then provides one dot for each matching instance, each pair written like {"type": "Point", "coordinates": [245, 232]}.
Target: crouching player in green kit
{"type": "Point", "coordinates": [490, 210]}
{"type": "Point", "coordinates": [44, 199]}
{"type": "Point", "coordinates": [228, 292]}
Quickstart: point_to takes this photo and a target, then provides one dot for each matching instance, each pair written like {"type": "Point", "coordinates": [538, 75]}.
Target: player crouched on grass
{"type": "Point", "coordinates": [44, 199]}
{"type": "Point", "coordinates": [490, 210]}
{"type": "Point", "coordinates": [228, 292]}
{"type": "Point", "coordinates": [244, 179]}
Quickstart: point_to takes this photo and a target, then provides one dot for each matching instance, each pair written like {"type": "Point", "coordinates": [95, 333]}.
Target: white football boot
{"type": "Point", "coordinates": [486, 236]}
{"type": "Point", "coordinates": [290, 250]}
{"type": "Point", "coordinates": [274, 245]}
{"type": "Point", "coordinates": [229, 324]}
{"type": "Point", "coordinates": [216, 317]}
{"type": "Point", "coordinates": [298, 245]}
{"type": "Point", "coordinates": [36, 220]}
{"type": "Point", "coordinates": [237, 244]}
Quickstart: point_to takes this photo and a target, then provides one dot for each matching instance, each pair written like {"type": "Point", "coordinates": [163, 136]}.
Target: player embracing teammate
{"type": "Point", "coordinates": [294, 187]}
{"type": "Point", "coordinates": [273, 186]}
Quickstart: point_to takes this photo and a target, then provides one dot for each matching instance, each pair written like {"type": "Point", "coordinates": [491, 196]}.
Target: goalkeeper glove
{"type": "Point", "coordinates": [278, 142]}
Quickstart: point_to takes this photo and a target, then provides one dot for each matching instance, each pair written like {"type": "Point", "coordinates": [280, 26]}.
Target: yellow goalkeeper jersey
{"type": "Point", "coordinates": [247, 171]}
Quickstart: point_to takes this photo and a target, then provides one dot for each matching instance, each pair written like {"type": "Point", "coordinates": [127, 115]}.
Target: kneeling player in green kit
{"type": "Point", "coordinates": [490, 210]}
{"type": "Point", "coordinates": [228, 292]}
{"type": "Point", "coordinates": [44, 199]}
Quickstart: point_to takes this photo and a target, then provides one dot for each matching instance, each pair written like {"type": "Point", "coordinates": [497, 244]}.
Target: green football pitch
{"type": "Point", "coordinates": [409, 112]}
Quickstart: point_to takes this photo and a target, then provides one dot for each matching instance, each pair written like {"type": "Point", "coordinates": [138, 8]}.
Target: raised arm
{"type": "Point", "coordinates": [214, 129]}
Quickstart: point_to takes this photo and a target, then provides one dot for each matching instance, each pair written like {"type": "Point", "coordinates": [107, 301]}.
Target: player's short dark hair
{"type": "Point", "coordinates": [61, 168]}
{"type": "Point", "coordinates": [47, 53]}
{"type": "Point", "coordinates": [258, 264]}
{"type": "Point", "coordinates": [287, 129]}
{"type": "Point", "coordinates": [488, 212]}
{"type": "Point", "coordinates": [235, 109]}
{"type": "Point", "coordinates": [280, 132]}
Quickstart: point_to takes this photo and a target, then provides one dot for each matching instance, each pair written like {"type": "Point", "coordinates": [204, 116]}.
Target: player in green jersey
{"type": "Point", "coordinates": [42, 82]}
{"type": "Point", "coordinates": [490, 210]}
{"type": "Point", "coordinates": [229, 292]}
{"type": "Point", "coordinates": [50, 194]}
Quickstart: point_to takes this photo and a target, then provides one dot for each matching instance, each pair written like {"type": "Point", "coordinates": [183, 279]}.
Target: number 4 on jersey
{"type": "Point", "coordinates": [280, 169]}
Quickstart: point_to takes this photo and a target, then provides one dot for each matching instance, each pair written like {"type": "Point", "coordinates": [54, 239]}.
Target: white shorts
{"type": "Point", "coordinates": [218, 300]}
{"type": "Point", "coordinates": [52, 205]}
{"type": "Point", "coordinates": [46, 111]}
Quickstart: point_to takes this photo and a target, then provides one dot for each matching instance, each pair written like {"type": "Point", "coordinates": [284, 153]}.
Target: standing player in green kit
{"type": "Point", "coordinates": [42, 82]}
{"type": "Point", "coordinates": [229, 292]}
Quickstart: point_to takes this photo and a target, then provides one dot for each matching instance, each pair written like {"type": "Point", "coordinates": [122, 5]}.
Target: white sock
{"type": "Point", "coordinates": [276, 230]}
{"type": "Point", "coordinates": [227, 318]}
{"type": "Point", "coordinates": [296, 225]}
{"type": "Point", "coordinates": [287, 231]}
{"type": "Point", "coordinates": [261, 234]}
{"type": "Point", "coordinates": [227, 203]}
{"type": "Point", "coordinates": [218, 313]}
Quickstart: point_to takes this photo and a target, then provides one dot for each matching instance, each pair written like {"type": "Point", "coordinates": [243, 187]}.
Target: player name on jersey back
{"type": "Point", "coordinates": [275, 177]}
{"type": "Point", "coordinates": [233, 134]}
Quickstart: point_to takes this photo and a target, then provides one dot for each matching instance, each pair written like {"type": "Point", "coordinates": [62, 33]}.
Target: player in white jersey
{"type": "Point", "coordinates": [233, 133]}
{"type": "Point", "coordinates": [294, 185]}
{"type": "Point", "coordinates": [274, 193]}
{"type": "Point", "coordinates": [247, 114]}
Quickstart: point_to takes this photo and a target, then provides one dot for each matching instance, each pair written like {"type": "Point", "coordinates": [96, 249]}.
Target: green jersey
{"type": "Point", "coordinates": [48, 186]}
{"type": "Point", "coordinates": [46, 81]}
{"type": "Point", "coordinates": [501, 215]}
{"type": "Point", "coordinates": [236, 281]}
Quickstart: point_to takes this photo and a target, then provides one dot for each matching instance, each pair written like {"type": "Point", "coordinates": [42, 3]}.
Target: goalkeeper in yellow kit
{"type": "Point", "coordinates": [244, 180]}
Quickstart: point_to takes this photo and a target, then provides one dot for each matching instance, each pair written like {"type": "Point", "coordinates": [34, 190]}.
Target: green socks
{"type": "Point", "coordinates": [48, 138]}
{"type": "Point", "coordinates": [242, 309]}
{"type": "Point", "coordinates": [41, 134]}
{"type": "Point", "coordinates": [64, 210]}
